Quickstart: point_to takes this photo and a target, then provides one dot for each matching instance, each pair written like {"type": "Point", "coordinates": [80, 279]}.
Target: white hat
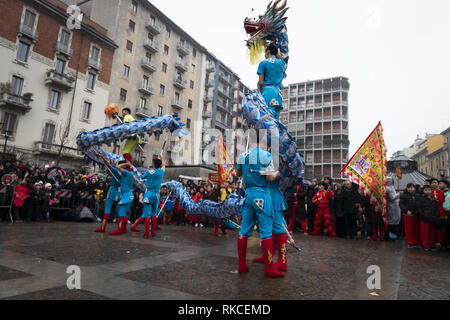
{"type": "Point", "coordinates": [48, 185]}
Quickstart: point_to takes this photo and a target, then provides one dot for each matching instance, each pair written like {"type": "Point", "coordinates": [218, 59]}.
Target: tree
{"type": "Point", "coordinates": [66, 138]}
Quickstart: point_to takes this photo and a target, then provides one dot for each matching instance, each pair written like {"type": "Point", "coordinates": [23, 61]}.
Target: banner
{"type": "Point", "coordinates": [368, 168]}
{"type": "Point", "coordinates": [225, 167]}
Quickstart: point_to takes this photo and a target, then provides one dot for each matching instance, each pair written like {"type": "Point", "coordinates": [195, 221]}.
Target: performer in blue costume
{"type": "Point", "coordinates": [279, 232]}
{"type": "Point", "coordinates": [271, 74]}
{"type": "Point", "coordinates": [257, 205]}
{"type": "Point", "coordinates": [111, 199]}
{"type": "Point", "coordinates": [154, 178]}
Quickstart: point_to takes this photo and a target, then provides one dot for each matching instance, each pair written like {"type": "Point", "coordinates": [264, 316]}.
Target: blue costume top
{"type": "Point", "coordinates": [126, 187]}
{"type": "Point", "coordinates": [114, 188]}
{"type": "Point", "coordinates": [154, 178]}
{"type": "Point", "coordinates": [278, 201]}
{"type": "Point", "coordinates": [273, 70]}
{"type": "Point", "coordinates": [256, 159]}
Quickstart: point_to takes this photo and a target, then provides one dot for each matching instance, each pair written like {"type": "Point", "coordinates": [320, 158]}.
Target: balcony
{"type": "Point", "coordinates": [146, 90]}
{"type": "Point", "coordinates": [179, 83]}
{"type": "Point", "coordinates": [210, 67]}
{"type": "Point", "coordinates": [207, 115]}
{"type": "Point", "coordinates": [151, 46]}
{"type": "Point", "coordinates": [143, 112]}
{"type": "Point", "coordinates": [53, 149]}
{"type": "Point", "coordinates": [183, 67]}
{"type": "Point", "coordinates": [15, 102]}
{"type": "Point", "coordinates": [153, 27]}
{"type": "Point", "coordinates": [147, 65]}
{"type": "Point", "coordinates": [64, 49]}
{"type": "Point", "coordinates": [28, 31]}
{"type": "Point", "coordinates": [209, 84]}
{"type": "Point", "coordinates": [95, 64]}
{"type": "Point", "coordinates": [222, 107]}
{"type": "Point", "coordinates": [224, 78]}
{"type": "Point", "coordinates": [223, 93]}
{"type": "Point", "coordinates": [176, 104]}
{"type": "Point", "coordinates": [183, 48]}
{"type": "Point", "coordinates": [345, 103]}
{"type": "Point", "coordinates": [62, 81]}
{"type": "Point", "coordinates": [207, 99]}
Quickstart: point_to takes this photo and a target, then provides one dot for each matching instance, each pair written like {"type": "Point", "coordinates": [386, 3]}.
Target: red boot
{"type": "Point", "coordinates": [104, 223]}
{"type": "Point", "coordinates": [281, 264]}
{"type": "Point", "coordinates": [374, 234]}
{"type": "Point", "coordinates": [271, 272]}
{"type": "Point", "coordinates": [381, 234]}
{"type": "Point", "coordinates": [242, 253]}
{"type": "Point", "coordinates": [261, 259]}
{"type": "Point", "coordinates": [154, 226]}
{"type": "Point", "coordinates": [119, 230]}
{"type": "Point", "coordinates": [224, 230]}
{"type": "Point", "coordinates": [124, 225]}
{"type": "Point", "coordinates": [216, 230]}
{"type": "Point", "coordinates": [147, 227]}
{"type": "Point", "coordinates": [135, 225]}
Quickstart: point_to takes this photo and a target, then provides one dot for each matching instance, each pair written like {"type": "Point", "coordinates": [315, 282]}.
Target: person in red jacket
{"type": "Point", "coordinates": [21, 193]}
{"type": "Point", "coordinates": [323, 215]}
{"type": "Point", "coordinates": [439, 196]}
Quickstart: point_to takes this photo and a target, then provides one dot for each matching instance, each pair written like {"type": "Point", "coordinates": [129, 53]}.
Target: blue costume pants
{"type": "Point", "coordinates": [257, 207]}
{"type": "Point", "coordinates": [111, 199]}
{"type": "Point", "coordinates": [151, 200]}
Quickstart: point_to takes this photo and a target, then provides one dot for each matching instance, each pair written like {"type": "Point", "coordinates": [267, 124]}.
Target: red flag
{"type": "Point", "coordinates": [225, 167]}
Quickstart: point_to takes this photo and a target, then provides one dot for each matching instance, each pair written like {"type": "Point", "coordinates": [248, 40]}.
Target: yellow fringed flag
{"type": "Point", "coordinates": [225, 167]}
{"type": "Point", "coordinates": [368, 168]}
{"type": "Point", "coordinates": [256, 51]}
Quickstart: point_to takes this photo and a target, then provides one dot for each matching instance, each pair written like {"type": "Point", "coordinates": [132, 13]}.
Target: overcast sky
{"type": "Point", "coordinates": [396, 54]}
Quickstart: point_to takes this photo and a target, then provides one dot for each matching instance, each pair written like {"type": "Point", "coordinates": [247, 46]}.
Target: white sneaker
{"type": "Point", "coordinates": [99, 220]}
{"type": "Point", "coordinates": [196, 225]}
{"type": "Point", "coordinates": [201, 225]}
{"type": "Point", "coordinates": [114, 221]}
{"type": "Point", "coordinates": [129, 222]}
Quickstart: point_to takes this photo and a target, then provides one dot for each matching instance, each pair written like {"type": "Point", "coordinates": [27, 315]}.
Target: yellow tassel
{"type": "Point", "coordinates": [256, 52]}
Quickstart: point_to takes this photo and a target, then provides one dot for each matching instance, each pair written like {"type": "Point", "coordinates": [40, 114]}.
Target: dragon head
{"type": "Point", "coordinates": [268, 24]}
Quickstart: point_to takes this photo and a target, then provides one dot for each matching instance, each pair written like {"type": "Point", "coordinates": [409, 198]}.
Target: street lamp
{"type": "Point", "coordinates": [7, 134]}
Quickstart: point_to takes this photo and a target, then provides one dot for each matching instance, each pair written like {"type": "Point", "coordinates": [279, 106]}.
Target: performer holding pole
{"type": "Point", "coordinates": [257, 206]}
{"type": "Point", "coordinates": [134, 140]}
{"type": "Point", "coordinates": [154, 178]}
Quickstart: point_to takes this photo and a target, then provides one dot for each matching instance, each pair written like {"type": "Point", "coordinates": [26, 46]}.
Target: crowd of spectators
{"type": "Point", "coordinates": [418, 214]}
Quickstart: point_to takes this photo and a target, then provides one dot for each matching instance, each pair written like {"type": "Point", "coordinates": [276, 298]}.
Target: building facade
{"type": "Point", "coordinates": [158, 70]}
{"type": "Point", "coordinates": [54, 81]}
{"type": "Point", "coordinates": [316, 115]}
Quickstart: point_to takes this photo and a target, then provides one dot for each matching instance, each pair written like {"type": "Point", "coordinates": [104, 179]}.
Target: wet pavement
{"type": "Point", "coordinates": [191, 263]}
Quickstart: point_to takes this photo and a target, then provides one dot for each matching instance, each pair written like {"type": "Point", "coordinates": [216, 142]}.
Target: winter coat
{"type": "Point", "coordinates": [299, 200]}
{"type": "Point", "coordinates": [393, 203]}
{"type": "Point", "coordinates": [349, 199]}
{"type": "Point", "coordinates": [408, 202]}
{"type": "Point", "coordinates": [374, 218]}
{"type": "Point", "coordinates": [21, 192]}
{"type": "Point", "coordinates": [47, 198]}
{"type": "Point", "coordinates": [337, 206]}
{"type": "Point", "coordinates": [428, 209]}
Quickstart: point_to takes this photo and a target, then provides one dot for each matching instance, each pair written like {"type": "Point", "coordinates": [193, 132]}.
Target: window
{"type": "Point", "coordinates": [60, 66]}
{"type": "Point", "coordinates": [29, 19]}
{"type": "Point", "coordinates": [95, 53]}
{"type": "Point", "coordinates": [177, 97]}
{"type": "Point", "coordinates": [145, 82]}
{"type": "Point", "coordinates": [86, 112]}
{"type": "Point", "coordinates": [16, 85]}
{"type": "Point", "coordinates": [160, 111]}
{"type": "Point", "coordinates": [131, 25]}
{"type": "Point", "coordinates": [49, 133]}
{"type": "Point", "coordinates": [193, 68]}
{"type": "Point", "coordinates": [134, 6]}
{"type": "Point", "coordinates": [192, 84]}
{"type": "Point", "coordinates": [166, 50]}
{"type": "Point", "coordinates": [162, 89]}
{"type": "Point", "coordinates": [65, 37]}
{"type": "Point", "coordinates": [152, 20]}
{"type": "Point", "coordinates": [194, 52]}
{"type": "Point", "coordinates": [91, 81]}
{"type": "Point", "coordinates": [129, 46]}
{"type": "Point", "coordinates": [164, 68]}
{"type": "Point", "coordinates": [54, 99]}
{"type": "Point", "coordinates": [143, 103]}
{"type": "Point", "coordinates": [123, 95]}
{"type": "Point", "coordinates": [9, 123]}
{"type": "Point", "coordinates": [22, 51]}
{"type": "Point", "coordinates": [148, 57]}
{"type": "Point", "coordinates": [190, 104]}
{"type": "Point", "coordinates": [168, 32]}
{"type": "Point", "coordinates": [188, 123]}
{"type": "Point", "coordinates": [126, 71]}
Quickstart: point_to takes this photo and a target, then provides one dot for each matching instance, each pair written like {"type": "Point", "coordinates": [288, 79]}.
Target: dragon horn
{"type": "Point", "coordinates": [277, 9]}
{"type": "Point", "coordinates": [269, 5]}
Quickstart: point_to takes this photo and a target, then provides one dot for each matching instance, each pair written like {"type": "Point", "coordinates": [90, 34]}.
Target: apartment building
{"type": "Point", "coordinates": [158, 69]}
{"type": "Point", "coordinates": [316, 115]}
{"type": "Point", "coordinates": [54, 82]}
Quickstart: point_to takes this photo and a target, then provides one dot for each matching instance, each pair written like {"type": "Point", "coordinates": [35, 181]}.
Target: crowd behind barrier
{"type": "Point", "coordinates": [419, 214]}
